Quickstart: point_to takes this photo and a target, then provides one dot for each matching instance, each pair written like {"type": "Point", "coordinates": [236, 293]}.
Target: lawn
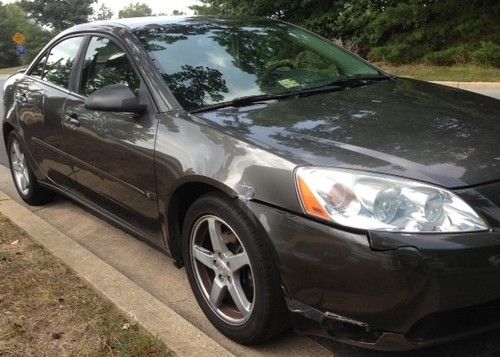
{"type": "Point", "coordinates": [465, 73]}
{"type": "Point", "coordinates": [10, 70]}
{"type": "Point", "coordinates": [45, 309]}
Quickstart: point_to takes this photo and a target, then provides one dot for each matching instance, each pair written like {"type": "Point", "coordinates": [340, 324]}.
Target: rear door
{"type": "Point", "coordinates": [40, 100]}
{"type": "Point", "coordinates": [113, 153]}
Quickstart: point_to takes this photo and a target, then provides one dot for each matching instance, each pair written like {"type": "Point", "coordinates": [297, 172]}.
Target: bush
{"type": "Point", "coordinates": [394, 54]}
{"type": "Point", "coordinates": [450, 56]}
{"type": "Point", "coordinates": [487, 54]}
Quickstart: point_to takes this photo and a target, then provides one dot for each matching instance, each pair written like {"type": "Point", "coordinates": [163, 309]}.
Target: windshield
{"type": "Point", "coordinates": [206, 62]}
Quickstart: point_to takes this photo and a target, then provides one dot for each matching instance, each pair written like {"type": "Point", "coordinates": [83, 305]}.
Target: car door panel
{"type": "Point", "coordinates": [41, 96]}
{"type": "Point", "coordinates": [113, 153]}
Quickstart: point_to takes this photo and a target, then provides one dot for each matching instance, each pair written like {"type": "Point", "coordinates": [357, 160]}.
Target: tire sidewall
{"type": "Point", "coordinates": [248, 234]}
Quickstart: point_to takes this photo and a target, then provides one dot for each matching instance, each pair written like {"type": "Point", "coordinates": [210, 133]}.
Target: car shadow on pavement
{"type": "Point", "coordinates": [486, 344]}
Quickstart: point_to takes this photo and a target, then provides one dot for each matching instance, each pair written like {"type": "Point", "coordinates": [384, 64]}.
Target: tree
{"type": "Point", "coordinates": [58, 14]}
{"type": "Point", "coordinates": [135, 10]}
{"type": "Point", "coordinates": [204, 9]}
{"type": "Point", "coordinates": [441, 32]}
{"type": "Point", "coordinates": [13, 19]}
{"type": "Point", "coordinates": [178, 13]}
{"type": "Point", "coordinates": [104, 13]}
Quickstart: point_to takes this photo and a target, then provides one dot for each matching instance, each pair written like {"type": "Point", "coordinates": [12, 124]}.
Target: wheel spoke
{"type": "Point", "coordinates": [16, 167]}
{"type": "Point", "coordinates": [214, 230]}
{"type": "Point", "coordinates": [203, 256]}
{"type": "Point", "coordinates": [24, 182]}
{"type": "Point", "coordinates": [217, 293]}
{"type": "Point", "coordinates": [237, 261]}
{"type": "Point", "coordinates": [17, 151]}
{"type": "Point", "coordinates": [239, 297]}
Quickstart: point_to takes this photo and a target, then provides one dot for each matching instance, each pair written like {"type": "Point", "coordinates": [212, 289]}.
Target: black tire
{"type": "Point", "coordinates": [36, 194]}
{"type": "Point", "coordinates": [269, 316]}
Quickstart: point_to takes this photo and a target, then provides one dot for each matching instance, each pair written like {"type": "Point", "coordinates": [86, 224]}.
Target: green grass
{"type": "Point", "coordinates": [10, 70]}
{"type": "Point", "coordinates": [465, 73]}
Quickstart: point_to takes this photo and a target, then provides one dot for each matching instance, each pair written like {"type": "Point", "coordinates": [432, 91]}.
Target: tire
{"type": "Point", "coordinates": [32, 193]}
{"type": "Point", "coordinates": [259, 280]}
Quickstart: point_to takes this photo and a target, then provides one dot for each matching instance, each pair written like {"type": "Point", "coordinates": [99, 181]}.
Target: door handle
{"type": "Point", "coordinates": [73, 119]}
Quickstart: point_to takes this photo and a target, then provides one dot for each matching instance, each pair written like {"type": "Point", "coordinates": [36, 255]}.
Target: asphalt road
{"type": "Point", "coordinates": [150, 270]}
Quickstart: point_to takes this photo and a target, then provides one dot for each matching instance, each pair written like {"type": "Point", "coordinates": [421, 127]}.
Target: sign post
{"type": "Point", "coordinates": [21, 50]}
{"type": "Point", "coordinates": [19, 39]}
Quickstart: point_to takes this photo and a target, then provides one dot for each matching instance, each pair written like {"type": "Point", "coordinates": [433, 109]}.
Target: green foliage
{"type": "Point", "coordinates": [135, 10]}
{"type": "Point", "coordinates": [487, 54]}
{"type": "Point", "coordinates": [7, 28]}
{"type": "Point", "coordinates": [58, 14]}
{"type": "Point", "coordinates": [13, 19]}
{"type": "Point", "coordinates": [441, 32]}
{"type": "Point", "coordinates": [460, 54]}
{"type": "Point", "coordinates": [393, 53]}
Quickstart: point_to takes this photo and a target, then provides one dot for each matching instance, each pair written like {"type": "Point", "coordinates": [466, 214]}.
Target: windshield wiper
{"type": "Point", "coordinates": [252, 99]}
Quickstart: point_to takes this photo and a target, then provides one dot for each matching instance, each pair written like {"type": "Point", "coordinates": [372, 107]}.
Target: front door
{"type": "Point", "coordinates": [113, 153]}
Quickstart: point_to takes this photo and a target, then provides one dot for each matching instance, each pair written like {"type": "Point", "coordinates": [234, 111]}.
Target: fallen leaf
{"type": "Point", "coordinates": [14, 242]}
{"type": "Point", "coordinates": [57, 335]}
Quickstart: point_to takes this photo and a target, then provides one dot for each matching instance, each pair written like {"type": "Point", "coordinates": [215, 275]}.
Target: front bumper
{"type": "Point", "coordinates": [387, 291]}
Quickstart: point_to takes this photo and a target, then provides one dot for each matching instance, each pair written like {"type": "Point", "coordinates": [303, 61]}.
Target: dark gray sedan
{"type": "Point", "coordinates": [298, 184]}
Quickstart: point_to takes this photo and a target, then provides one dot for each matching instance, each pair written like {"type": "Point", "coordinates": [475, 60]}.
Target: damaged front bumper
{"type": "Point", "coordinates": [385, 291]}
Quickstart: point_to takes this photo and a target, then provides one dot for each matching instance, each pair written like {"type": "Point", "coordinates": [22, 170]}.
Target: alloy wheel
{"type": "Point", "coordinates": [222, 269]}
{"type": "Point", "coordinates": [19, 167]}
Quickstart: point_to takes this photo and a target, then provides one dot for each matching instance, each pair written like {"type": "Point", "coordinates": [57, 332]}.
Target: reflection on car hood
{"type": "Point", "coordinates": [403, 127]}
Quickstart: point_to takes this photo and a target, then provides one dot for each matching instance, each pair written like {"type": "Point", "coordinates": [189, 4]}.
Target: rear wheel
{"type": "Point", "coordinates": [232, 272]}
{"type": "Point", "coordinates": [26, 184]}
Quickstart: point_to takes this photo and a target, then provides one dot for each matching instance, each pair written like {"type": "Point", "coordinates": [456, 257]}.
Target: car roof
{"type": "Point", "coordinates": [139, 22]}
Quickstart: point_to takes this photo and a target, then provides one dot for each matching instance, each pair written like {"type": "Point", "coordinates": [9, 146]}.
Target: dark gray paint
{"type": "Point", "coordinates": [403, 127]}
{"type": "Point", "coordinates": [128, 169]}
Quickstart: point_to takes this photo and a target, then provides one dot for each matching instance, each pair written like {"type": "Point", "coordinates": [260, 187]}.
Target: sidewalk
{"type": "Point", "coordinates": [471, 86]}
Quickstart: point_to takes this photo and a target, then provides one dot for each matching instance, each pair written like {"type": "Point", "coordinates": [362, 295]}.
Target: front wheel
{"type": "Point", "coordinates": [232, 272]}
{"type": "Point", "coordinates": [25, 181]}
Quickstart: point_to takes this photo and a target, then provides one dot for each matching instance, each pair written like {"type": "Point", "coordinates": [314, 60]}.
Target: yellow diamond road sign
{"type": "Point", "coordinates": [18, 38]}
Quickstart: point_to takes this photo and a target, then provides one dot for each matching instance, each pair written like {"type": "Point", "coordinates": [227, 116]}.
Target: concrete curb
{"type": "Point", "coordinates": [487, 86]}
{"type": "Point", "coordinates": [178, 334]}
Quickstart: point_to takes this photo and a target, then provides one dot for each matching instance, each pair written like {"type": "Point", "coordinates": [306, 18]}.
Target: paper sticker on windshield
{"type": "Point", "coordinates": [289, 83]}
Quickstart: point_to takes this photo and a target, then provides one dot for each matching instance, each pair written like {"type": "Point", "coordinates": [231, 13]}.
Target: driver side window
{"type": "Point", "coordinates": [106, 64]}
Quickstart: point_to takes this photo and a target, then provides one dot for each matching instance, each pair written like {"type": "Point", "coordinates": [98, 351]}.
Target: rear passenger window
{"type": "Point", "coordinates": [106, 64]}
{"type": "Point", "coordinates": [60, 61]}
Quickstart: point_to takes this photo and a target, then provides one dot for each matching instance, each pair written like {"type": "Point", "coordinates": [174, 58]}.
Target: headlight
{"type": "Point", "coordinates": [383, 203]}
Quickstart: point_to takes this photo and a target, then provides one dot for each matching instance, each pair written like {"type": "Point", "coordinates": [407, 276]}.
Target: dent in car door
{"type": "Point", "coordinates": [40, 99]}
{"type": "Point", "coordinates": [113, 152]}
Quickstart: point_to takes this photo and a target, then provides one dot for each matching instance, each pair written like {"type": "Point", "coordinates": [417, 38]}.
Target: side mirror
{"type": "Point", "coordinates": [115, 98]}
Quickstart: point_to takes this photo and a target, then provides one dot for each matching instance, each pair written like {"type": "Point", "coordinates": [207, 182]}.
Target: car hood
{"type": "Point", "coordinates": [402, 127]}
